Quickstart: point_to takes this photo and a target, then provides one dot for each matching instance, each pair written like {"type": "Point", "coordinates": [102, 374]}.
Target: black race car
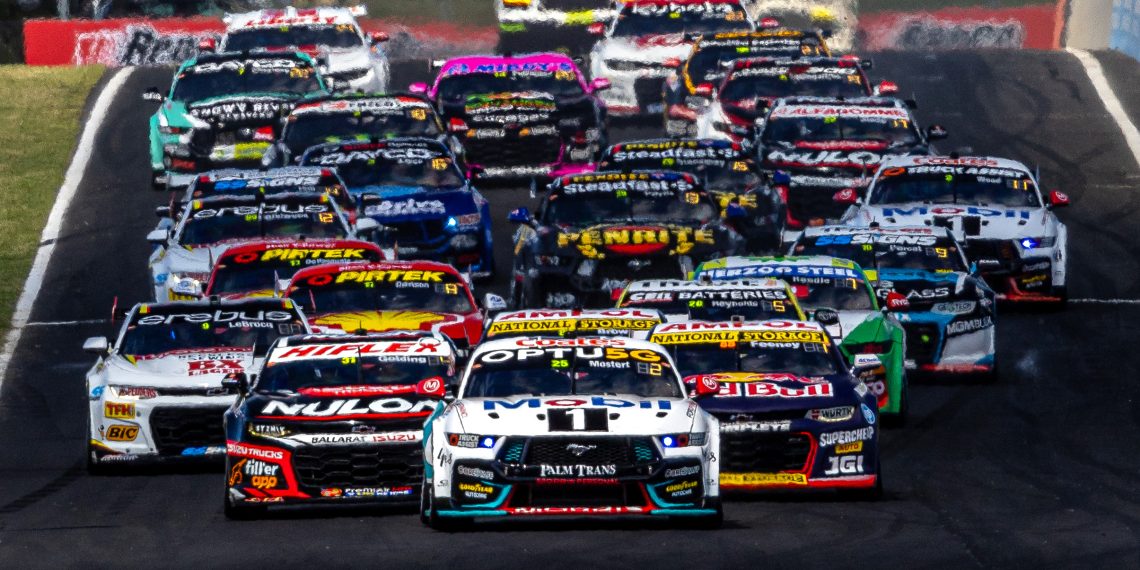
{"type": "Point", "coordinates": [593, 233]}
{"type": "Point", "coordinates": [726, 169]}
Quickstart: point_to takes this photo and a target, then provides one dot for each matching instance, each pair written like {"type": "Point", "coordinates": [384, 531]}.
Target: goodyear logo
{"type": "Point", "coordinates": [476, 488]}
{"type": "Point", "coordinates": [120, 432]}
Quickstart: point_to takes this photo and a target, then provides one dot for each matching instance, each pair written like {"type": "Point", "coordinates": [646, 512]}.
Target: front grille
{"type": "Point", "coordinates": [806, 203]}
{"type": "Point", "coordinates": [763, 452]}
{"type": "Point", "coordinates": [772, 416]}
{"type": "Point", "coordinates": [513, 150]}
{"type": "Point", "coordinates": [175, 429]}
{"type": "Point", "coordinates": [350, 466]}
{"type": "Point", "coordinates": [922, 342]}
{"type": "Point", "coordinates": [659, 267]}
{"type": "Point", "coordinates": [648, 90]}
{"type": "Point", "coordinates": [992, 254]}
{"type": "Point", "coordinates": [398, 424]}
{"type": "Point", "coordinates": [620, 451]}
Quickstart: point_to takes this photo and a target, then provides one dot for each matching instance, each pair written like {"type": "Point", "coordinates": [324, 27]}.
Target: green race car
{"type": "Point", "coordinates": [865, 332]}
{"type": "Point", "coordinates": [224, 110]}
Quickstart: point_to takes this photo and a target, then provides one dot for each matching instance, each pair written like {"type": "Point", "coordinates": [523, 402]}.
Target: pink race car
{"type": "Point", "coordinates": [529, 116]}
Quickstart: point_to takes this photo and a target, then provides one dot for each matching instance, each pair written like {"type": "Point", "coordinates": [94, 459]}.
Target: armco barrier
{"type": "Point", "coordinates": [167, 41]}
{"type": "Point", "coordinates": [1126, 27]}
{"type": "Point", "coordinates": [1034, 27]}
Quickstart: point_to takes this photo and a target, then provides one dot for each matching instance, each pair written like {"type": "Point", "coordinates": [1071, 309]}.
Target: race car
{"type": "Point", "coordinates": [949, 313]}
{"type": "Point", "coordinates": [727, 171]}
{"type": "Point", "coordinates": [634, 323]}
{"type": "Point", "coordinates": [993, 206]}
{"type": "Point", "coordinates": [588, 426]}
{"type": "Point", "coordinates": [690, 87]}
{"type": "Point", "coordinates": [183, 254]}
{"type": "Point", "coordinates": [558, 25]}
{"type": "Point", "coordinates": [596, 232]}
{"type": "Point", "coordinates": [707, 300]}
{"type": "Point", "coordinates": [814, 147]}
{"type": "Point", "coordinates": [521, 117]}
{"type": "Point", "coordinates": [393, 295]}
{"type": "Point", "coordinates": [223, 110]}
{"type": "Point", "coordinates": [840, 290]}
{"type": "Point", "coordinates": [648, 40]}
{"type": "Point", "coordinates": [792, 414]}
{"type": "Point", "coordinates": [360, 118]}
{"type": "Point", "coordinates": [425, 205]}
{"type": "Point", "coordinates": [156, 391]}
{"type": "Point", "coordinates": [836, 20]}
{"type": "Point", "coordinates": [350, 59]}
{"type": "Point", "coordinates": [334, 420]}
{"type": "Point", "coordinates": [751, 85]}
{"type": "Point", "coordinates": [264, 268]}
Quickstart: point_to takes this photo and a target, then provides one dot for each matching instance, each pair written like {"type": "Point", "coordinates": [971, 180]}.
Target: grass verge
{"type": "Point", "coordinates": [39, 111]}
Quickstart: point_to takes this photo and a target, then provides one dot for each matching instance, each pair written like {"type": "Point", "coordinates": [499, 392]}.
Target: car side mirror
{"type": "Point", "coordinates": [886, 88]}
{"type": "Point", "coordinates": [867, 63]}
{"type": "Point", "coordinates": [704, 90]}
{"type": "Point", "coordinates": [520, 215]}
{"type": "Point", "coordinates": [207, 45]}
{"type": "Point", "coordinates": [365, 226]}
{"type": "Point", "coordinates": [1058, 199]}
{"type": "Point", "coordinates": [158, 237]}
{"type": "Point", "coordinates": [494, 304]}
{"type": "Point", "coordinates": [379, 37]}
{"type": "Point", "coordinates": [897, 302]}
{"type": "Point", "coordinates": [973, 268]}
{"type": "Point", "coordinates": [596, 29]}
{"type": "Point", "coordinates": [600, 84]}
{"type": "Point", "coordinates": [97, 345]}
{"type": "Point", "coordinates": [827, 317]}
{"type": "Point", "coordinates": [846, 196]}
{"type": "Point", "coordinates": [153, 94]}
{"type": "Point", "coordinates": [865, 363]}
{"type": "Point", "coordinates": [936, 133]}
{"type": "Point", "coordinates": [705, 386]}
{"type": "Point", "coordinates": [238, 381]}
{"type": "Point", "coordinates": [418, 88]}
{"type": "Point", "coordinates": [671, 63]}
{"type": "Point", "coordinates": [456, 125]}
{"type": "Point", "coordinates": [162, 212]}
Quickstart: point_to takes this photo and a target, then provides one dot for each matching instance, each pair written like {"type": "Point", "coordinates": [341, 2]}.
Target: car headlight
{"type": "Point", "coordinates": [471, 440]}
{"type": "Point", "coordinates": [268, 430]}
{"type": "Point", "coordinates": [136, 392]}
{"type": "Point", "coordinates": [836, 414]}
{"type": "Point", "coordinates": [673, 440]}
{"type": "Point", "coordinates": [1037, 242]}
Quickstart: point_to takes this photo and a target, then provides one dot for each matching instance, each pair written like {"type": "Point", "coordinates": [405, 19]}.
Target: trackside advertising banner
{"type": "Point", "coordinates": [1126, 27]}
{"type": "Point", "coordinates": [1032, 27]}
{"type": "Point", "coordinates": [132, 41]}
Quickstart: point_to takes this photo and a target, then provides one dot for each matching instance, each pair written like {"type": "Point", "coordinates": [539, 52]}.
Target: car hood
{"type": "Point", "coordinates": [520, 108]}
{"type": "Point", "coordinates": [406, 203]}
{"type": "Point", "coordinates": [259, 109]}
{"type": "Point", "coordinates": [345, 59]}
{"type": "Point", "coordinates": [450, 324]}
{"type": "Point", "coordinates": [922, 289]}
{"type": "Point", "coordinates": [995, 222]}
{"type": "Point", "coordinates": [180, 368]}
{"type": "Point", "coordinates": [837, 153]}
{"type": "Point", "coordinates": [528, 415]}
{"type": "Point", "coordinates": [638, 239]}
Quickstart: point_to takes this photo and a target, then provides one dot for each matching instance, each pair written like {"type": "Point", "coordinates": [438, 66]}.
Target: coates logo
{"type": "Point", "coordinates": [203, 367]}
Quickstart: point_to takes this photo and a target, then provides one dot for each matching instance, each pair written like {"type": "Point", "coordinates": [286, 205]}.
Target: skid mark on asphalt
{"type": "Point", "coordinates": [52, 487]}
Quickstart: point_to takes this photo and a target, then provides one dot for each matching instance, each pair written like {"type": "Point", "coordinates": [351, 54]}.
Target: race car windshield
{"type": "Point", "coordinates": [597, 207]}
{"type": "Point", "coordinates": [707, 65]}
{"type": "Point", "coordinates": [889, 131]}
{"type": "Point", "coordinates": [439, 172]}
{"type": "Point", "coordinates": [444, 296]}
{"type": "Point", "coordinates": [846, 294]}
{"type": "Point", "coordinates": [941, 256]}
{"type": "Point", "coordinates": [726, 176]}
{"type": "Point", "coordinates": [799, 358]}
{"type": "Point", "coordinates": [234, 224]}
{"type": "Point", "coordinates": [967, 189]}
{"type": "Point", "coordinates": [745, 91]}
{"type": "Point", "coordinates": [304, 131]}
{"type": "Point", "coordinates": [231, 277]}
{"type": "Point", "coordinates": [749, 310]}
{"type": "Point", "coordinates": [350, 370]}
{"type": "Point", "coordinates": [558, 373]}
{"type": "Point", "coordinates": [562, 83]}
{"type": "Point", "coordinates": [196, 85]}
{"type": "Point", "coordinates": [151, 340]}
{"type": "Point", "coordinates": [661, 19]}
{"type": "Point", "coordinates": [339, 36]}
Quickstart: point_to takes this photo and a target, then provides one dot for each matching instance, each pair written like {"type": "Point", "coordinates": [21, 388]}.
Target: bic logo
{"type": "Point", "coordinates": [119, 410]}
{"type": "Point", "coordinates": [122, 433]}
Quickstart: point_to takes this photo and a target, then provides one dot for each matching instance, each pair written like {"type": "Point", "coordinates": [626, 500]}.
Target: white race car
{"type": "Point", "coordinates": [184, 254]}
{"type": "Point", "coordinates": [156, 392]}
{"type": "Point", "coordinates": [648, 40]}
{"type": "Point", "coordinates": [837, 19]}
{"type": "Point", "coordinates": [589, 426]}
{"type": "Point", "coordinates": [353, 60]}
{"type": "Point", "coordinates": [992, 205]}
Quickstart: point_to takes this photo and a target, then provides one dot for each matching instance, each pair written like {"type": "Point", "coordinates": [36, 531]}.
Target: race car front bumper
{"type": "Point", "coordinates": [1020, 274]}
{"type": "Point", "coordinates": [945, 345]}
{"type": "Point", "coordinates": [157, 430]}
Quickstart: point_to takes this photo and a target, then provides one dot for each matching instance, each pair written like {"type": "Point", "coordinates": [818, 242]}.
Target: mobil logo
{"type": "Point", "coordinates": [955, 211]}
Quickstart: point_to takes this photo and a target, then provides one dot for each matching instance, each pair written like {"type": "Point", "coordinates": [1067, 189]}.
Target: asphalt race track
{"type": "Point", "coordinates": [1037, 469]}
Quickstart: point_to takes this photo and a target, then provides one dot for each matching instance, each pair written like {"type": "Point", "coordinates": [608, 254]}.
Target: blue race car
{"type": "Point", "coordinates": [949, 312]}
{"type": "Point", "coordinates": [416, 190]}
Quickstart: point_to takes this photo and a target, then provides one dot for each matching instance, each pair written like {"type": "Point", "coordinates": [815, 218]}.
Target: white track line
{"type": "Point", "coordinates": [1108, 97]}
{"type": "Point", "coordinates": [1105, 301]}
{"type": "Point", "coordinates": [54, 223]}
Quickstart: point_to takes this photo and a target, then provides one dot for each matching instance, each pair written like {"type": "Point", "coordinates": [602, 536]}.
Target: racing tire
{"type": "Point", "coordinates": [158, 181]}
{"type": "Point", "coordinates": [705, 522]}
{"type": "Point", "coordinates": [898, 419]}
{"type": "Point", "coordinates": [873, 493]}
{"type": "Point", "coordinates": [241, 512]}
{"type": "Point", "coordinates": [425, 503]}
{"type": "Point", "coordinates": [95, 468]}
